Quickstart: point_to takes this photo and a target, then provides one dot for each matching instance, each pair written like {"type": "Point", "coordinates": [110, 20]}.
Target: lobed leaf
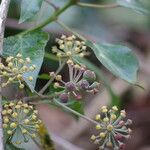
{"type": "Point", "coordinates": [29, 9]}
{"type": "Point", "coordinates": [118, 59]}
{"type": "Point", "coordinates": [135, 5]}
{"type": "Point", "coordinates": [31, 45]}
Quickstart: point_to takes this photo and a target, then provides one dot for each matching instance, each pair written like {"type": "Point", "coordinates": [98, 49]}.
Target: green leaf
{"type": "Point", "coordinates": [135, 5]}
{"type": "Point", "coordinates": [118, 59]}
{"type": "Point", "coordinates": [31, 45]}
{"type": "Point", "coordinates": [76, 105]}
{"type": "Point", "coordinates": [29, 9]}
{"type": "Point", "coordinates": [10, 146]}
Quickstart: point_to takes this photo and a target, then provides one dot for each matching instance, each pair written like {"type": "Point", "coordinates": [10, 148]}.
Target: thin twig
{"type": "Point", "coordinates": [75, 112]}
{"type": "Point", "coordinates": [97, 6]}
{"type": "Point", "coordinates": [52, 79]}
{"type": "Point", "coordinates": [3, 14]}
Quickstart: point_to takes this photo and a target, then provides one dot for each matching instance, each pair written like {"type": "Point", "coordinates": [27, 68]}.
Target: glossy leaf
{"type": "Point", "coordinates": [29, 9]}
{"type": "Point", "coordinates": [31, 45]}
{"type": "Point", "coordinates": [118, 59]}
{"type": "Point", "coordinates": [135, 5]}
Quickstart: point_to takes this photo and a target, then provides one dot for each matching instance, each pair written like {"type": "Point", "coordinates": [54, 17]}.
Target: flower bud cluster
{"type": "Point", "coordinates": [20, 121]}
{"type": "Point", "coordinates": [69, 47]}
{"type": "Point", "coordinates": [80, 80]}
{"type": "Point", "coordinates": [15, 68]}
{"type": "Point", "coordinates": [113, 129]}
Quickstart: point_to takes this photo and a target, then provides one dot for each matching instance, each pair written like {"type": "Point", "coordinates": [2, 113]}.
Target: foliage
{"type": "Point", "coordinates": [118, 59]}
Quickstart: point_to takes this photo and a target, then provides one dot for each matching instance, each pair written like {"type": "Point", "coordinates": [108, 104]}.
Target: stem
{"type": "Point", "coordinates": [97, 6]}
{"type": "Point", "coordinates": [75, 112]}
{"type": "Point", "coordinates": [53, 17]}
{"type": "Point", "coordinates": [40, 97]}
{"type": "Point", "coordinates": [52, 79]}
{"type": "Point", "coordinates": [3, 15]}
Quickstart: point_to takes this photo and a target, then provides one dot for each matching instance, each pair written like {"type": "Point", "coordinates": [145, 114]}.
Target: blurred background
{"type": "Point", "coordinates": [117, 25]}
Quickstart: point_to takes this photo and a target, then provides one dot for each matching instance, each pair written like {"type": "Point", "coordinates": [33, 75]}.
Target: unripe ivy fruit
{"type": "Point", "coordinates": [89, 75]}
{"type": "Point", "coordinates": [64, 97]}
{"type": "Point", "coordinates": [70, 86]}
{"type": "Point", "coordinates": [84, 84]}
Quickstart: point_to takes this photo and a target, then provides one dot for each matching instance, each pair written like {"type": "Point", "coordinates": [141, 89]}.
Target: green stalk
{"type": "Point", "coordinates": [53, 17]}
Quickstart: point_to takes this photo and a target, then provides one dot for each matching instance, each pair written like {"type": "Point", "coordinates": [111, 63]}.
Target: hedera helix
{"type": "Point", "coordinates": [24, 53]}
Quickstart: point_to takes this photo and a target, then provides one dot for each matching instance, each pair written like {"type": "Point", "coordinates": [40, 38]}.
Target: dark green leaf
{"type": "Point", "coordinates": [44, 76]}
{"type": "Point", "coordinates": [53, 90]}
{"type": "Point", "coordinates": [10, 146]}
{"type": "Point", "coordinates": [118, 59]}
{"type": "Point", "coordinates": [29, 9]}
{"type": "Point", "coordinates": [76, 105]}
{"type": "Point", "coordinates": [31, 45]}
{"type": "Point", "coordinates": [135, 5]}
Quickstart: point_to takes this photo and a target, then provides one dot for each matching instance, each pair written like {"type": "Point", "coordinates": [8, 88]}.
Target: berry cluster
{"type": "Point", "coordinates": [81, 80]}
{"type": "Point", "coordinates": [113, 129]}
{"type": "Point", "coordinates": [20, 122]}
{"type": "Point", "coordinates": [69, 47]}
{"type": "Point", "coordinates": [14, 70]}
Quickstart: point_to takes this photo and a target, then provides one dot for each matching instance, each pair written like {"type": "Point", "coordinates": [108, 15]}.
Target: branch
{"type": "Point", "coordinates": [3, 14]}
{"type": "Point", "coordinates": [51, 80]}
{"type": "Point", "coordinates": [97, 6]}
{"type": "Point", "coordinates": [53, 17]}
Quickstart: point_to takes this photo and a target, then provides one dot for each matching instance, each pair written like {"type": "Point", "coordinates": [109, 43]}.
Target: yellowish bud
{"type": "Point", "coordinates": [24, 131]}
{"type": "Point", "coordinates": [102, 135]}
{"type": "Point", "coordinates": [19, 76]}
{"type": "Point", "coordinates": [58, 78]}
{"type": "Point", "coordinates": [14, 115]}
{"type": "Point", "coordinates": [34, 117]}
{"type": "Point", "coordinates": [113, 116]}
{"type": "Point", "coordinates": [21, 61]}
{"type": "Point", "coordinates": [68, 53]}
{"type": "Point", "coordinates": [109, 127]}
{"type": "Point", "coordinates": [98, 117]}
{"type": "Point", "coordinates": [98, 127]}
{"type": "Point", "coordinates": [81, 55]}
{"type": "Point", "coordinates": [11, 104]}
{"type": "Point", "coordinates": [13, 125]}
{"type": "Point", "coordinates": [115, 108]}
{"type": "Point", "coordinates": [26, 121]}
{"type": "Point", "coordinates": [106, 119]}
{"type": "Point", "coordinates": [28, 60]}
{"type": "Point", "coordinates": [18, 142]}
{"type": "Point", "coordinates": [4, 112]}
{"type": "Point", "coordinates": [62, 46]}
{"type": "Point", "coordinates": [10, 79]}
{"type": "Point", "coordinates": [24, 68]}
{"type": "Point", "coordinates": [14, 70]}
{"type": "Point", "coordinates": [4, 73]}
{"type": "Point", "coordinates": [5, 125]}
{"type": "Point", "coordinates": [6, 120]}
{"type": "Point", "coordinates": [17, 106]}
{"type": "Point", "coordinates": [93, 137]}
{"type": "Point", "coordinates": [59, 55]}
{"type": "Point", "coordinates": [33, 135]}
{"type": "Point", "coordinates": [26, 111]}
{"type": "Point", "coordinates": [25, 105]}
{"type": "Point", "coordinates": [21, 86]}
{"type": "Point", "coordinates": [30, 78]}
{"type": "Point", "coordinates": [9, 111]}
{"type": "Point", "coordinates": [19, 55]}
{"type": "Point", "coordinates": [9, 132]}
{"type": "Point", "coordinates": [10, 64]}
